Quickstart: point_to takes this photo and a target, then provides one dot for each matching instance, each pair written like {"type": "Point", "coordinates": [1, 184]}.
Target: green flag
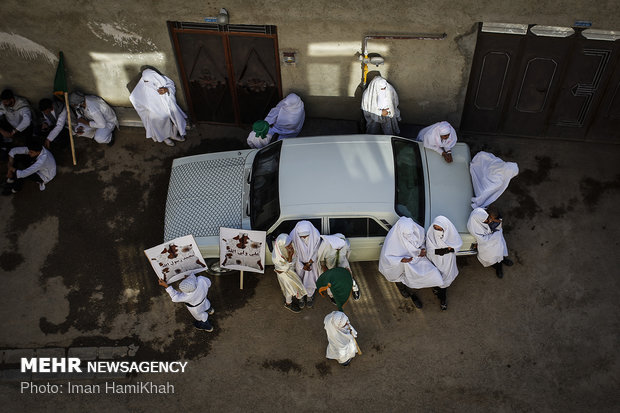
{"type": "Point", "coordinates": [60, 81]}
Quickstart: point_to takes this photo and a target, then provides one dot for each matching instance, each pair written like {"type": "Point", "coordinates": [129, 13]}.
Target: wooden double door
{"type": "Point", "coordinates": [540, 86]}
{"type": "Point", "coordinates": [230, 73]}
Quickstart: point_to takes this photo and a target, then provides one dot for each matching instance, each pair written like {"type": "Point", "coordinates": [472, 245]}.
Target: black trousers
{"type": "Point", "coordinates": [23, 136]}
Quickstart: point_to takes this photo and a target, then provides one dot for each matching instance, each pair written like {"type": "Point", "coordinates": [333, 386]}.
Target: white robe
{"type": "Point", "coordinates": [374, 100]}
{"type": "Point", "coordinates": [287, 117]}
{"type": "Point", "coordinates": [198, 296]}
{"type": "Point", "coordinates": [432, 137]}
{"type": "Point", "coordinates": [490, 177]}
{"type": "Point", "coordinates": [289, 281]}
{"type": "Point", "coordinates": [102, 119]}
{"type": "Point", "coordinates": [334, 251]}
{"type": "Point", "coordinates": [306, 251]}
{"type": "Point", "coordinates": [491, 245]}
{"type": "Point", "coordinates": [340, 337]}
{"type": "Point", "coordinates": [161, 115]}
{"type": "Point", "coordinates": [446, 264]}
{"type": "Point", "coordinates": [406, 239]}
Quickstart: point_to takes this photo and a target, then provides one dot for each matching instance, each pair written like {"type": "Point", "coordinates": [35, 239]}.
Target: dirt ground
{"type": "Point", "coordinates": [543, 338]}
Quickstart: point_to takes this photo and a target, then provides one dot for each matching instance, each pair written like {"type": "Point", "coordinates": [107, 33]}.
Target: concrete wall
{"type": "Point", "coordinates": [105, 47]}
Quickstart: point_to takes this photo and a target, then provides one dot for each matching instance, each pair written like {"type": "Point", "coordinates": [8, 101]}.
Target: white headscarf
{"type": "Point", "coordinates": [431, 136]}
{"type": "Point", "coordinates": [490, 177]}
{"type": "Point", "coordinates": [279, 253]}
{"type": "Point", "coordinates": [491, 245]}
{"type": "Point", "coordinates": [449, 237]}
{"type": "Point", "coordinates": [340, 336]}
{"type": "Point", "coordinates": [335, 241]}
{"type": "Point", "coordinates": [287, 117]}
{"type": "Point", "coordinates": [374, 98]}
{"type": "Point", "coordinates": [188, 285]}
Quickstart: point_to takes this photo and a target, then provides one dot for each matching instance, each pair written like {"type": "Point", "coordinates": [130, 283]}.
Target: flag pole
{"type": "Point", "coordinates": [70, 128]}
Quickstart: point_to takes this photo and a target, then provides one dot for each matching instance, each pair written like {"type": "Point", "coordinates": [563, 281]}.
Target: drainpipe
{"type": "Point", "coordinates": [421, 36]}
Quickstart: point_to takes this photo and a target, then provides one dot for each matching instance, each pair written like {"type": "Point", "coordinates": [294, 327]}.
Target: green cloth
{"type": "Point", "coordinates": [339, 282]}
{"type": "Point", "coordinates": [60, 81]}
{"type": "Point", "coordinates": [260, 128]}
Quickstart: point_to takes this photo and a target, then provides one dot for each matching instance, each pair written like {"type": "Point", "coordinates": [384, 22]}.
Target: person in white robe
{"type": "Point", "coordinates": [283, 258]}
{"type": "Point", "coordinates": [287, 118]}
{"type": "Point", "coordinates": [259, 137]}
{"type": "Point", "coordinates": [490, 177]}
{"type": "Point", "coordinates": [403, 260]}
{"type": "Point", "coordinates": [442, 243]}
{"type": "Point", "coordinates": [306, 240]}
{"type": "Point", "coordinates": [380, 107]}
{"type": "Point", "coordinates": [334, 251]}
{"type": "Point", "coordinates": [439, 137]}
{"type": "Point", "coordinates": [486, 227]}
{"type": "Point", "coordinates": [96, 119]}
{"type": "Point", "coordinates": [341, 335]}
{"type": "Point", "coordinates": [154, 100]}
{"type": "Point", "coordinates": [193, 293]}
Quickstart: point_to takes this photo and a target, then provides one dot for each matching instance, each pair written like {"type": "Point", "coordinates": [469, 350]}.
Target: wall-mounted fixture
{"type": "Point", "coordinates": [222, 18]}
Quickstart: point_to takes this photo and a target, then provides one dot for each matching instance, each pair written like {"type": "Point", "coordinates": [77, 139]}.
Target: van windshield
{"type": "Point", "coordinates": [409, 178]}
{"type": "Point", "coordinates": [264, 192]}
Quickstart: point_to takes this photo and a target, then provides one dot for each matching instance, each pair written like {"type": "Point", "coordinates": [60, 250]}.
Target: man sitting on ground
{"type": "Point", "coordinates": [32, 162]}
{"type": "Point", "coordinates": [96, 119]}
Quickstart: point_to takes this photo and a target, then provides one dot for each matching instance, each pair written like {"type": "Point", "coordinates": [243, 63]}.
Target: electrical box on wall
{"type": "Point", "coordinates": [289, 57]}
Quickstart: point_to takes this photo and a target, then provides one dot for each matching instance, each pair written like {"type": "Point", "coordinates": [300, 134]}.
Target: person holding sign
{"type": "Point", "coordinates": [194, 294]}
{"type": "Point", "coordinates": [283, 258]}
{"type": "Point", "coordinates": [341, 338]}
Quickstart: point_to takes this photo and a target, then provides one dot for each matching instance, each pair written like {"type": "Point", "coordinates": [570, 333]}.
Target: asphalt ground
{"type": "Point", "coordinates": [543, 338]}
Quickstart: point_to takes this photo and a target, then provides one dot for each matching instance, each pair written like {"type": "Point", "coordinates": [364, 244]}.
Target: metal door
{"type": "Point", "coordinates": [543, 86]}
{"type": "Point", "coordinates": [230, 73]}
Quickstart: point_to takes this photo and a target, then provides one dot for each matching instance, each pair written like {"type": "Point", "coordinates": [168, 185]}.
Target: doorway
{"type": "Point", "coordinates": [544, 82]}
{"type": "Point", "coordinates": [230, 73]}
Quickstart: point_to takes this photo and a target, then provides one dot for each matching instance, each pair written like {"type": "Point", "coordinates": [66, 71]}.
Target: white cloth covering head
{"type": "Point", "coordinates": [378, 95]}
{"type": "Point", "coordinates": [446, 264]}
{"type": "Point", "coordinates": [290, 283]}
{"type": "Point", "coordinates": [490, 177]}
{"type": "Point", "coordinates": [491, 245]}
{"type": "Point", "coordinates": [287, 117]}
{"type": "Point", "coordinates": [335, 241]}
{"type": "Point", "coordinates": [406, 240]}
{"type": "Point", "coordinates": [340, 336]}
{"type": "Point", "coordinates": [431, 136]}
{"type": "Point", "coordinates": [188, 285]}
{"type": "Point", "coordinates": [161, 115]}
{"type": "Point", "coordinates": [306, 249]}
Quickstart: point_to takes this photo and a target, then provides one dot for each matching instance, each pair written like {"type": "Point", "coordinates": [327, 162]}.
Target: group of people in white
{"type": "Point", "coordinates": [31, 140]}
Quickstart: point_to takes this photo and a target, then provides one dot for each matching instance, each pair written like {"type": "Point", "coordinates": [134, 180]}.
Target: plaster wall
{"type": "Point", "coordinates": [106, 43]}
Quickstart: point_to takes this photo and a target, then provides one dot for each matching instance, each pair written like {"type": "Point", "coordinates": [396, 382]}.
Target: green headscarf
{"type": "Point", "coordinates": [339, 282]}
{"type": "Point", "coordinates": [260, 128]}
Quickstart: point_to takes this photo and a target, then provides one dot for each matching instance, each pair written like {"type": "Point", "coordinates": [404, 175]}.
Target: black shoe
{"type": "Point", "coordinates": [443, 306]}
{"type": "Point", "coordinates": [435, 290]}
{"type": "Point", "coordinates": [346, 363]}
{"type": "Point", "coordinates": [211, 310]}
{"type": "Point", "coordinates": [330, 299]}
{"type": "Point", "coordinates": [203, 325]}
{"type": "Point", "coordinates": [416, 301]}
{"type": "Point", "coordinates": [498, 270]}
{"type": "Point", "coordinates": [7, 191]}
{"type": "Point", "coordinates": [302, 302]}
{"type": "Point", "coordinates": [111, 143]}
{"type": "Point", "coordinates": [403, 290]}
{"type": "Point", "coordinates": [310, 302]}
{"type": "Point", "coordinates": [507, 262]}
{"type": "Point", "coordinates": [356, 295]}
{"type": "Point", "coordinates": [293, 307]}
